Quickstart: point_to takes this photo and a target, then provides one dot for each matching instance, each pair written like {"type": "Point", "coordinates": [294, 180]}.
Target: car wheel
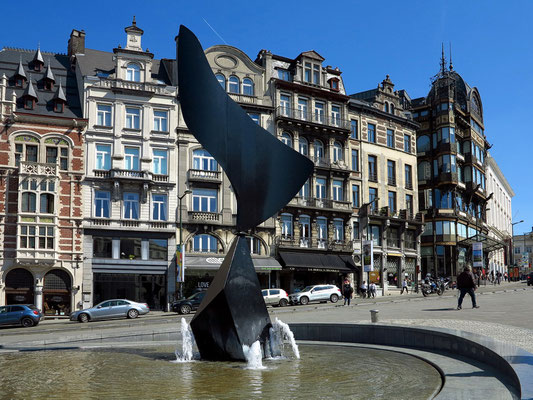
{"type": "Point", "coordinates": [133, 313]}
{"type": "Point", "coordinates": [185, 309]}
{"type": "Point", "coordinates": [334, 298]}
{"type": "Point", "coordinates": [304, 300]}
{"type": "Point", "coordinates": [283, 303]}
{"type": "Point", "coordinates": [26, 322]}
{"type": "Point", "coordinates": [83, 318]}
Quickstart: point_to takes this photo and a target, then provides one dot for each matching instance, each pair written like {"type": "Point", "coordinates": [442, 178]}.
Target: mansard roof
{"type": "Point", "coordinates": [11, 60]}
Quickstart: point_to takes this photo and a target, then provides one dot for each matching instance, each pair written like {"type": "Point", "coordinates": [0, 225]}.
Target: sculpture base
{"type": "Point", "coordinates": [233, 312]}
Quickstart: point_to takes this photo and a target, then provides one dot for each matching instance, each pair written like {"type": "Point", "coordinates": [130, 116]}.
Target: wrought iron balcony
{"type": "Point", "coordinates": [314, 118]}
{"type": "Point", "coordinates": [313, 243]}
{"type": "Point", "coordinates": [321, 203]}
{"type": "Point", "coordinates": [372, 176]}
{"type": "Point", "coordinates": [38, 169]}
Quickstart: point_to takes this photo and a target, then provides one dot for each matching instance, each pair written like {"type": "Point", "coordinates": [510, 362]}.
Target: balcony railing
{"type": "Point", "coordinates": [203, 175]}
{"type": "Point", "coordinates": [372, 176]}
{"type": "Point", "coordinates": [117, 84]}
{"type": "Point", "coordinates": [391, 181]}
{"type": "Point", "coordinates": [409, 185]}
{"type": "Point", "coordinates": [242, 98]}
{"type": "Point", "coordinates": [321, 203]}
{"type": "Point", "coordinates": [36, 256]}
{"type": "Point", "coordinates": [315, 118]}
{"type": "Point", "coordinates": [100, 173]}
{"type": "Point", "coordinates": [314, 243]}
{"type": "Point", "coordinates": [34, 168]}
{"type": "Point", "coordinates": [109, 223]}
{"type": "Point", "coordinates": [160, 178]}
{"type": "Point", "coordinates": [131, 174]}
{"type": "Point", "coordinates": [204, 216]}
{"type": "Point", "coordinates": [322, 162]}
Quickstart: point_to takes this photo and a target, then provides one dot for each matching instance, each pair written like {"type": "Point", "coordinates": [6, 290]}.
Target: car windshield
{"type": "Point", "coordinates": [306, 289]}
{"type": "Point", "coordinates": [194, 296]}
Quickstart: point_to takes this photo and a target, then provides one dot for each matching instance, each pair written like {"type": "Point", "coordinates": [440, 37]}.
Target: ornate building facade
{"type": "Point", "coordinates": [131, 169]}
{"type": "Point", "coordinates": [384, 186]}
{"type": "Point", "coordinates": [41, 170]}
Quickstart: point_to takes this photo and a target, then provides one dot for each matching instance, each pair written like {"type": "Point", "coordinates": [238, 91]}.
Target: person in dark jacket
{"type": "Point", "coordinates": [347, 291]}
{"type": "Point", "coordinates": [466, 284]}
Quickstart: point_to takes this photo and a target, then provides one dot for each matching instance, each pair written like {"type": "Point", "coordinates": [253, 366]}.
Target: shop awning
{"type": "Point", "coordinates": [142, 267]}
{"type": "Point", "coordinates": [261, 264]}
{"type": "Point", "coordinates": [316, 262]}
{"type": "Point", "coordinates": [489, 243]}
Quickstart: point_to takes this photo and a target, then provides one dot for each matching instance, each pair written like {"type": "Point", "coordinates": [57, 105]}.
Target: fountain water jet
{"type": "Point", "coordinates": [187, 343]}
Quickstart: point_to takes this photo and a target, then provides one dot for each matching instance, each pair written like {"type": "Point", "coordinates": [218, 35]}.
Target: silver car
{"type": "Point", "coordinates": [117, 308]}
{"type": "Point", "coordinates": [316, 293]}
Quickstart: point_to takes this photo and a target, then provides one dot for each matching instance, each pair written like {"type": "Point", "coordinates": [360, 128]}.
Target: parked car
{"type": "Point", "coordinates": [20, 314]}
{"type": "Point", "coordinates": [116, 308]}
{"type": "Point", "coordinates": [191, 303]}
{"type": "Point", "coordinates": [530, 279]}
{"type": "Point", "coordinates": [316, 293]}
{"type": "Point", "coordinates": [275, 297]}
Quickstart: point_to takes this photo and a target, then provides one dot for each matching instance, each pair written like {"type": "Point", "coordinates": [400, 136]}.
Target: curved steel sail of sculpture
{"type": "Point", "coordinates": [265, 174]}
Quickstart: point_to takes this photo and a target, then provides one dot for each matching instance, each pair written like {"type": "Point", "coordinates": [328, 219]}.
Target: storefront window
{"type": "Point", "coordinates": [130, 248]}
{"type": "Point", "coordinates": [158, 249]}
{"type": "Point", "coordinates": [102, 247]}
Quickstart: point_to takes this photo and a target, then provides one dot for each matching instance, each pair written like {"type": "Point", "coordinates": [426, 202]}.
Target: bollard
{"type": "Point", "coordinates": [374, 315]}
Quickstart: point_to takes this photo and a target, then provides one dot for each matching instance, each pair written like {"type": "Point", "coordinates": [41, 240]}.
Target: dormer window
{"type": "Point", "coordinates": [29, 103]}
{"type": "Point", "coordinates": [334, 84]}
{"type": "Point", "coordinates": [19, 81]}
{"type": "Point", "coordinates": [48, 85]}
{"type": "Point", "coordinates": [133, 73]}
{"type": "Point", "coordinates": [59, 106]}
{"type": "Point", "coordinates": [38, 66]}
{"type": "Point", "coordinates": [307, 72]}
{"type": "Point", "coordinates": [316, 74]}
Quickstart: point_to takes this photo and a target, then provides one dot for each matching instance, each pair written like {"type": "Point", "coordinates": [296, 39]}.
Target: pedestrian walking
{"type": "Point", "coordinates": [405, 286]}
{"type": "Point", "coordinates": [372, 290]}
{"type": "Point", "coordinates": [347, 292]}
{"type": "Point", "coordinates": [466, 284]}
{"type": "Point", "coordinates": [363, 289]}
{"type": "Point", "coordinates": [499, 277]}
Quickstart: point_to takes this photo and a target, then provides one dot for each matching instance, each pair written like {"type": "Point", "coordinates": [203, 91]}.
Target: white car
{"type": "Point", "coordinates": [275, 297]}
{"type": "Point", "coordinates": [316, 293]}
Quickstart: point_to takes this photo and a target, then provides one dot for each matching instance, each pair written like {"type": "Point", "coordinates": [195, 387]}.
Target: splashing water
{"type": "Point", "coordinates": [187, 342]}
{"type": "Point", "coordinates": [253, 355]}
{"type": "Point", "coordinates": [281, 333]}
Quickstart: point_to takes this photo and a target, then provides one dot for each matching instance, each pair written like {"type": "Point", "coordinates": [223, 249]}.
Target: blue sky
{"type": "Point", "coordinates": [491, 43]}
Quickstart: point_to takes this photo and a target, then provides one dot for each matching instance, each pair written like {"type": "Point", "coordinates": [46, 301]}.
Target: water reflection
{"type": "Point", "coordinates": [322, 372]}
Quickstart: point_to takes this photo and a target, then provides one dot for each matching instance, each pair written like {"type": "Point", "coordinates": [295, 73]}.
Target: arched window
{"type": "Point", "coordinates": [305, 230]}
{"type": "Point", "coordinates": [286, 226]}
{"type": "Point", "coordinates": [391, 108]}
{"type": "Point", "coordinates": [29, 202]}
{"type": "Point", "coordinates": [247, 87]}
{"type": "Point", "coordinates": [286, 138]}
{"type": "Point", "coordinates": [322, 231]}
{"type": "Point", "coordinates": [47, 203]}
{"type": "Point", "coordinates": [338, 230]}
{"type": "Point", "coordinates": [203, 161]}
{"type": "Point", "coordinates": [319, 149]}
{"type": "Point", "coordinates": [204, 243]}
{"type": "Point", "coordinates": [234, 84]}
{"type": "Point", "coordinates": [423, 144]}
{"type": "Point", "coordinates": [303, 146]}
{"type": "Point", "coordinates": [337, 152]}
{"type": "Point", "coordinates": [386, 107]}
{"type": "Point", "coordinates": [133, 73]}
{"type": "Point", "coordinates": [256, 246]}
{"type": "Point", "coordinates": [222, 80]}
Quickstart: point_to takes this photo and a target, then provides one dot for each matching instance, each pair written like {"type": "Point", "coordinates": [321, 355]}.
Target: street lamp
{"type": "Point", "coordinates": [180, 198]}
{"type": "Point", "coordinates": [512, 240]}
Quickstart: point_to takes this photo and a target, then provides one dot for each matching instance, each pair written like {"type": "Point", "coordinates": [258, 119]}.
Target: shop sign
{"type": "Point", "coordinates": [214, 260]}
{"type": "Point", "coordinates": [477, 254]}
{"type": "Point", "coordinates": [373, 277]}
{"type": "Point", "coordinates": [20, 298]}
{"type": "Point", "coordinates": [56, 299]}
{"type": "Point", "coordinates": [368, 255]}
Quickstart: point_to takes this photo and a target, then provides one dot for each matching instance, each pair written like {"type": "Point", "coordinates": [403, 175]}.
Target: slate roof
{"type": "Point", "coordinates": [100, 63]}
{"type": "Point", "coordinates": [60, 67]}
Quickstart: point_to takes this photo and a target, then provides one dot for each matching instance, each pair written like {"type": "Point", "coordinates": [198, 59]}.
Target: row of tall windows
{"type": "Point", "coordinates": [130, 205]}
{"type": "Point", "coordinates": [38, 196]}
{"type": "Point", "coordinates": [234, 84]}
{"type": "Point", "coordinates": [132, 118]}
{"type": "Point", "coordinates": [53, 154]}
{"type": "Point", "coordinates": [304, 112]}
{"type": "Point", "coordinates": [36, 237]}
{"type": "Point", "coordinates": [304, 226]}
{"type": "Point", "coordinates": [130, 248]}
{"type": "Point", "coordinates": [317, 146]}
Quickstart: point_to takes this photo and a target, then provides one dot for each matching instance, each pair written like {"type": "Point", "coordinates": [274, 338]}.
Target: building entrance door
{"type": "Point", "coordinates": [19, 287]}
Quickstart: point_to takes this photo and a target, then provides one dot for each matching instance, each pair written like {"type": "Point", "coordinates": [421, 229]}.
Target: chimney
{"type": "Point", "coordinates": [76, 42]}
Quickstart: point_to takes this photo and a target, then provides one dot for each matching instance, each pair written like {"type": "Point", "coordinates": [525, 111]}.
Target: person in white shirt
{"type": "Point", "coordinates": [372, 290]}
{"type": "Point", "coordinates": [405, 286]}
{"type": "Point", "coordinates": [363, 288]}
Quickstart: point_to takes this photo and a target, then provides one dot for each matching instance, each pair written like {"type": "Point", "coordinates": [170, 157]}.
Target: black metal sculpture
{"type": "Point", "coordinates": [265, 174]}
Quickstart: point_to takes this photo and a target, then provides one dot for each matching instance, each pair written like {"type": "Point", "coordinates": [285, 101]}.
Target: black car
{"type": "Point", "coordinates": [530, 279]}
{"type": "Point", "coordinates": [189, 304]}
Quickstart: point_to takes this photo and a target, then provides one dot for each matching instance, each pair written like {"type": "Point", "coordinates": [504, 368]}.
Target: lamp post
{"type": "Point", "coordinates": [512, 241]}
{"type": "Point", "coordinates": [180, 198]}
{"type": "Point", "coordinates": [366, 207]}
